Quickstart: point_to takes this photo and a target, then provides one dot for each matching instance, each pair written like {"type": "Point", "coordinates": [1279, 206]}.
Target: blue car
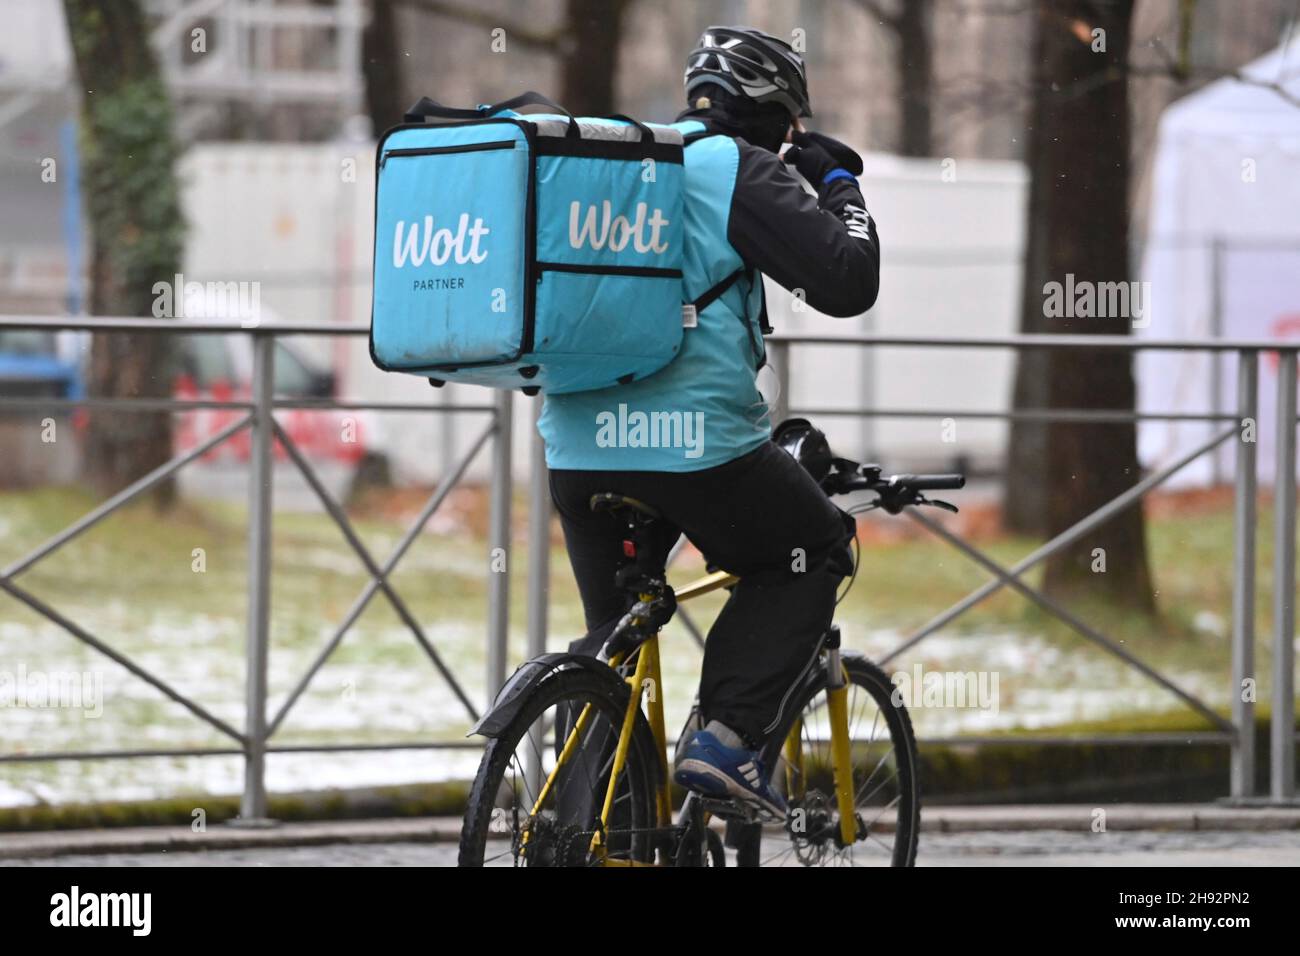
{"type": "Point", "coordinates": [31, 366]}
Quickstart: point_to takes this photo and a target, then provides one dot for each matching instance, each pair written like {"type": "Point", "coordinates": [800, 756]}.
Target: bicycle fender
{"type": "Point", "coordinates": [522, 682]}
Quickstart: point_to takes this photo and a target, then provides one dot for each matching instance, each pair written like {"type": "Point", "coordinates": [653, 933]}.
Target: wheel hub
{"type": "Point", "coordinates": [813, 825]}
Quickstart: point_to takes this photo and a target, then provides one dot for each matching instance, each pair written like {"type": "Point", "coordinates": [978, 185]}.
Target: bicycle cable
{"type": "Point", "coordinates": [857, 559]}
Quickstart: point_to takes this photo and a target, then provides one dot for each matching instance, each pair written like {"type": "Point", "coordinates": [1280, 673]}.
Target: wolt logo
{"type": "Point", "coordinates": [600, 229]}
{"type": "Point", "coordinates": [438, 246]}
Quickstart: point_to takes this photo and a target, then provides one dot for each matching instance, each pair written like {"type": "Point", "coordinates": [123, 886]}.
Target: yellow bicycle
{"type": "Point", "coordinates": [576, 770]}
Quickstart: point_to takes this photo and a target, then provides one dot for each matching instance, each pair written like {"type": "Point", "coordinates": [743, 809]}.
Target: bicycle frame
{"type": "Point", "coordinates": [648, 674]}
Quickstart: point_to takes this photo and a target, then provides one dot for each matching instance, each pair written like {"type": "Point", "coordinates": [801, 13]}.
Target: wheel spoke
{"type": "Point", "coordinates": [884, 846]}
{"type": "Point", "coordinates": [569, 815]}
{"type": "Point", "coordinates": [878, 780]}
{"type": "Point", "coordinates": [784, 853]}
{"type": "Point", "coordinates": [883, 809]}
{"type": "Point", "coordinates": [858, 796]}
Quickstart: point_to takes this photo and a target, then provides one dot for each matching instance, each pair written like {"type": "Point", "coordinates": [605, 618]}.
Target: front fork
{"type": "Point", "coordinates": [837, 701]}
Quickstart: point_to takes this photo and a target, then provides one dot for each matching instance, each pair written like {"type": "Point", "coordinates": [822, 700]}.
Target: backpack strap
{"type": "Point", "coordinates": [691, 310]}
{"type": "Point", "coordinates": [717, 290]}
{"type": "Point", "coordinates": [424, 109]}
{"type": "Point", "coordinates": [708, 298]}
{"type": "Point", "coordinates": [695, 137]}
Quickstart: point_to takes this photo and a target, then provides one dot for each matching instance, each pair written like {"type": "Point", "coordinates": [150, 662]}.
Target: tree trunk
{"type": "Point", "coordinates": [587, 46]}
{"type": "Point", "coordinates": [1025, 502]}
{"type": "Point", "coordinates": [589, 55]}
{"type": "Point", "coordinates": [1078, 153]}
{"type": "Point", "coordinates": [128, 157]}
{"type": "Point", "coordinates": [382, 67]}
{"type": "Point", "coordinates": [915, 53]}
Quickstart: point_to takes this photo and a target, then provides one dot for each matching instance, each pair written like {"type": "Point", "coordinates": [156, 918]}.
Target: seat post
{"type": "Point", "coordinates": [642, 575]}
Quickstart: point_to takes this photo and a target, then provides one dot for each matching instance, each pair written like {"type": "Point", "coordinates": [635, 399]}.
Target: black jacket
{"type": "Point", "coordinates": [824, 247]}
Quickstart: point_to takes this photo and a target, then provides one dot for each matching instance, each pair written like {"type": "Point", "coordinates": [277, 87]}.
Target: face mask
{"type": "Point", "coordinates": [764, 129]}
{"type": "Point", "coordinates": [763, 132]}
{"type": "Point", "coordinates": [770, 136]}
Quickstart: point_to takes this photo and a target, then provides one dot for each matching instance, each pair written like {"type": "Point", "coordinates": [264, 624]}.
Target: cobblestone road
{"type": "Point", "coordinates": [1037, 848]}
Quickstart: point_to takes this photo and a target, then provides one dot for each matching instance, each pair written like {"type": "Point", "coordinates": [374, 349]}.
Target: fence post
{"type": "Point", "coordinates": [499, 545]}
{"type": "Point", "coordinates": [1282, 742]}
{"type": "Point", "coordinates": [1243, 590]}
{"type": "Point", "coordinates": [446, 430]}
{"type": "Point", "coordinates": [1216, 358]}
{"type": "Point", "coordinates": [779, 353]}
{"type": "Point", "coordinates": [539, 543]}
{"type": "Point", "coordinates": [539, 578]}
{"type": "Point", "coordinates": [868, 380]}
{"type": "Point", "coordinates": [253, 806]}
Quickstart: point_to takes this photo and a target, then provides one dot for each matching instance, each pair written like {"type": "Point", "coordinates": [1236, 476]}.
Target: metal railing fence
{"type": "Point", "coordinates": [253, 741]}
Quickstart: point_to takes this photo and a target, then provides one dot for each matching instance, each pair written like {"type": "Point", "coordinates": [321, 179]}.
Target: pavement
{"type": "Point", "coordinates": [1068, 835]}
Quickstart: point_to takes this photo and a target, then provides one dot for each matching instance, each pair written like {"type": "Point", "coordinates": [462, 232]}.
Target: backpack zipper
{"type": "Point", "coordinates": [436, 150]}
{"type": "Point", "coordinates": [648, 272]}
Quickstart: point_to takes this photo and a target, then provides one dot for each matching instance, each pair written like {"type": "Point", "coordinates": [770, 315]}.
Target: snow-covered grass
{"type": "Point", "coordinates": [168, 591]}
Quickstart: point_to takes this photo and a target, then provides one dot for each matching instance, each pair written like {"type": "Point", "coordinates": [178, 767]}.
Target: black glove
{"type": "Point", "coordinates": [815, 155]}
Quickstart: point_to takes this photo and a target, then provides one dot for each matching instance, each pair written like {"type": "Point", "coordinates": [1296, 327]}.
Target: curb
{"type": "Point", "coordinates": [955, 819]}
{"type": "Point", "coordinates": [52, 843]}
{"type": "Point", "coordinates": [1124, 816]}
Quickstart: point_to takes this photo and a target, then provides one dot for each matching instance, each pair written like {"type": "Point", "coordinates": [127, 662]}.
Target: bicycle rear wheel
{"type": "Point", "coordinates": [523, 811]}
{"type": "Point", "coordinates": [885, 780]}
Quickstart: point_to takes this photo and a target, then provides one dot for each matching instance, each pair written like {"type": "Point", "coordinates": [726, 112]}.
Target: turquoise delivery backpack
{"type": "Point", "coordinates": [537, 251]}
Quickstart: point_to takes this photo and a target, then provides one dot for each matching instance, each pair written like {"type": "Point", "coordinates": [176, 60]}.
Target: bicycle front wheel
{"type": "Point", "coordinates": [539, 796]}
{"type": "Point", "coordinates": [886, 789]}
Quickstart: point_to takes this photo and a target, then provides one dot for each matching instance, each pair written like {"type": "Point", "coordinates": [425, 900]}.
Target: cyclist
{"type": "Point", "coordinates": [694, 440]}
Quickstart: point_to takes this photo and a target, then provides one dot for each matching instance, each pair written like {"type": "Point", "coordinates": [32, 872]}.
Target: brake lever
{"type": "Point", "coordinates": [945, 505]}
{"type": "Point", "coordinates": [894, 500]}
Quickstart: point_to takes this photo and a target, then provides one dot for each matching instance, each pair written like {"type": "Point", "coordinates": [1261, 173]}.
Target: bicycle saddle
{"type": "Point", "coordinates": [613, 502]}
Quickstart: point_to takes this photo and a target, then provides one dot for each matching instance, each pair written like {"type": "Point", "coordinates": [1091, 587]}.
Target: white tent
{"type": "Point", "coordinates": [37, 109]}
{"type": "Point", "coordinates": [1223, 252]}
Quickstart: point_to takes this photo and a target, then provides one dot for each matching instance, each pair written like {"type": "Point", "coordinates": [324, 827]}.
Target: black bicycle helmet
{"type": "Point", "coordinates": [806, 444]}
{"type": "Point", "coordinates": [750, 64]}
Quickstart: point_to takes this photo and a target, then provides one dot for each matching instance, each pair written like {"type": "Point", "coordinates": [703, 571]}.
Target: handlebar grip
{"type": "Point", "coordinates": [930, 482]}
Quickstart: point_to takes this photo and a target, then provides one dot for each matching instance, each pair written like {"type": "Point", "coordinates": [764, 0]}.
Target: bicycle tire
{"type": "Point", "coordinates": [610, 697]}
{"type": "Point", "coordinates": [868, 676]}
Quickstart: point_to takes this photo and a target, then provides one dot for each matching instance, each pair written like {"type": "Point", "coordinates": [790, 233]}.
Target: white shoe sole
{"type": "Point", "coordinates": [725, 786]}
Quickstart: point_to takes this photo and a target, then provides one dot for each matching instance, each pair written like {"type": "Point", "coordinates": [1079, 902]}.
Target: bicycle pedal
{"type": "Point", "coordinates": [738, 810]}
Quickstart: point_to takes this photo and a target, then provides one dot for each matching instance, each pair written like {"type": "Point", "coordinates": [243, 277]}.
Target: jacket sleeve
{"type": "Point", "coordinates": [825, 246]}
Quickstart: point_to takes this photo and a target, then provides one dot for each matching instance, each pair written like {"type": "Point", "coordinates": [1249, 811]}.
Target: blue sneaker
{"type": "Point", "coordinates": [713, 769]}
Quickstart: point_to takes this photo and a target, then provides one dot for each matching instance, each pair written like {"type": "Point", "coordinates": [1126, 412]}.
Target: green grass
{"type": "Point", "coordinates": [131, 582]}
{"type": "Point", "coordinates": [1191, 563]}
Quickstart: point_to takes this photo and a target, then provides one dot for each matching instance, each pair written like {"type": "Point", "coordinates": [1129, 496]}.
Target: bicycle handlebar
{"type": "Point", "coordinates": [930, 482]}
{"type": "Point", "coordinates": [895, 491]}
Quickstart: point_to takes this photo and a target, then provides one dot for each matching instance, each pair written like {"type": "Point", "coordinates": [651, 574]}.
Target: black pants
{"type": "Point", "coordinates": [760, 516]}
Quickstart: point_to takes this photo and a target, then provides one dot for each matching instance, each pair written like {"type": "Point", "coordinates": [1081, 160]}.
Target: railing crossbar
{"type": "Point", "coordinates": [1062, 415]}
{"type": "Point", "coordinates": [363, 599]}
{"type": "Point", "coordinates": [1065, 615]}
{"type": "Point", "coordinates": [377, 574]}
{"type": "Point", "coordinates": [79, 632]}
{"type": "Point", "coordinates": [137, 487]}
{"type": "Point", "coordinates": [1062, 540]}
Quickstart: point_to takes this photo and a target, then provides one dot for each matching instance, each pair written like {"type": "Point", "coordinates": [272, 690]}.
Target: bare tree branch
{"type": "Point", "coordinates": [1186, 14]}
{"type": "Point", "coordinates": [1169, 67]}
{"type": "Point", "coordinates": [977, 9]}
{"type": "Point", "coordinates": [547, 41]}
{"type": "Point", "coordinates": [873, 8]}
{"type": "Point", "coordinates": [1183, 73]}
